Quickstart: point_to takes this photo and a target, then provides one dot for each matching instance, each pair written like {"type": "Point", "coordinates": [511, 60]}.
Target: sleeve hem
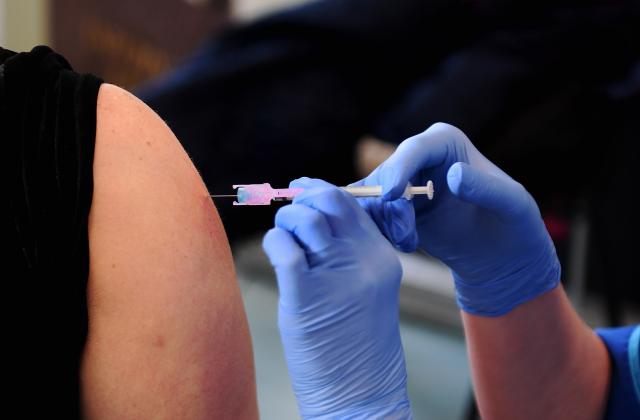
{"type": "Point", "coordinates": [634, 360]}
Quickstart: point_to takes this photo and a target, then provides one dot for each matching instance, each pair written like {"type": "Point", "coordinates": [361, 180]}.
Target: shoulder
{"type": "Point", "coordinates": [130, 131]}
{"type": "Point", "coordinates": [143, 175]}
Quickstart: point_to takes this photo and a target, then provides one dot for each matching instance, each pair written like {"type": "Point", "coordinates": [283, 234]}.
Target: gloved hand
{"type": "Point", "coordinates": [481, 223]}
{"type": "Point", "coordinates": [338, 310]}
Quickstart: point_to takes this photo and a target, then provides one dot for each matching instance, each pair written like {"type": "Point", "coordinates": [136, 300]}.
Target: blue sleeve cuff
{"type": "Point", "coordinates": [634, 359]}
{"type": "Point", "coordinates": [623, 345]}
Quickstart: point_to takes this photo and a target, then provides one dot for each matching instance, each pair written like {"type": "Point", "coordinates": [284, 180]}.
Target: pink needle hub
{"type": "Point", "coordinates": [263, 194]}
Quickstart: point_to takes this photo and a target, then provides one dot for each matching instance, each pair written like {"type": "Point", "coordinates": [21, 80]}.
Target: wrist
{"type": "Point", "coordinates": [395, 406]}
{"type": "Point", "coordinates": [501, 295]}
{"type": "Point", "coordinates": [353, 385]}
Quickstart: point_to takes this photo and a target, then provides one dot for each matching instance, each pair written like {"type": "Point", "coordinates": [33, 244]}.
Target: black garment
{"type": "Point", "coordinates": [48, 123]}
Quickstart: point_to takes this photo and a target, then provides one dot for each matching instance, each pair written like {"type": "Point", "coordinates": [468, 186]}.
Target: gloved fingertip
{"type": "Point", "coordinates": [309, 183]}
{"type": "Point", "coordinates": [404, 237]}
{"type": "Point", "coordinates": [299, 182]}
{"type": "Point", "coordinates": [409, 244]}
{"type": "Point", "coordinates": [282, 249]}
{"type": "Point", "coordinates": [402, 225]}
{"type": "Point", "coordinates": [282, 216]}
{"type": "Point", "coordinates": [454, 178]}
{"type": "Point", "coordinates": [271, 238]}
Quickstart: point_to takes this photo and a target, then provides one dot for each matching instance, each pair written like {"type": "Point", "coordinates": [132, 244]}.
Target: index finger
{"type": "Point", "coordinates": [339, 207]}
{"type": "Point", "coordinates": [422, 151]}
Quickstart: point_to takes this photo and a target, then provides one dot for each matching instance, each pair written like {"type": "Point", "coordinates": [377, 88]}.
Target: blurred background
{"type": "Point", "coordinates": [269, 90]}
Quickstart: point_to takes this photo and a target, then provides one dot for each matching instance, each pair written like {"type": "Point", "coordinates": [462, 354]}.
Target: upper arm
{"type": "Point", "coordinates": [168, 336]}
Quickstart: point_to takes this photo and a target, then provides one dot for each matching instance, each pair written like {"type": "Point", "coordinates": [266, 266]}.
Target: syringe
{"type": "Point", "coordinates": [264, 194]}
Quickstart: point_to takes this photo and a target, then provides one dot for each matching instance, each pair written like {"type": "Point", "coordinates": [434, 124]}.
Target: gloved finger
{"type": "Point", "coordinates": [401, 226]}
{"type": "Point", "coordinates": [339, 207]}
{"type": "Point", "coordinates": [307, 182]}
{"type": "Point", "coordinates": [283, 250]}
{"type": "Point", "coordinates": [507, 198]}
{"type": "Point", "coordinates": [289, 261]}
{"type": "Point", "coordinates": [395, 219]}
{"type": "Point", "coordinates": [311, 184]}
{"type": "Point", "coordinates": [425, 150]}
{"type": "Point", "coordinates": [308, 225]}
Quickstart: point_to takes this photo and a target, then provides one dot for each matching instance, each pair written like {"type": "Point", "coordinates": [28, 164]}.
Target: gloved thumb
{"type": "Point", "coordinates": [502, 195]}
{"type": "Point", "coordinates": [288, 259]}
{"type": "Point", "coordinates": [395, 219]}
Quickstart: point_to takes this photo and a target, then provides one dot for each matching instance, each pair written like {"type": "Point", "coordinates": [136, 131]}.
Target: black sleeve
{"type": "Point", "coordinates": [48, 123]}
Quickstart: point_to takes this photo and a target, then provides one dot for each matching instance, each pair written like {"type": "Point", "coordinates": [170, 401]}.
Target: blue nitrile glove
{"type": "Point", "coordinates": [339, 280]}
{"type": "Point", "coordinates": [484, 225]}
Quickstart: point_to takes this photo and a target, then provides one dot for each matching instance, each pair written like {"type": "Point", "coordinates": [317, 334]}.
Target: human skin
{"type": "Point", "coordinates": [168, 336]}
{"type": "Point", "coordinates": [539, 361]}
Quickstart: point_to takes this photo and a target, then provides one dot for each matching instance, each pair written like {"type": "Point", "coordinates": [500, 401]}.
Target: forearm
{"type": "Point", "coordinates": [537, 361]}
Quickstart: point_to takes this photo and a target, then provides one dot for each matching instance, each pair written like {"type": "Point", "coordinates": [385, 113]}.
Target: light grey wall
{"type": "Point", "coordinates": [24, 23]}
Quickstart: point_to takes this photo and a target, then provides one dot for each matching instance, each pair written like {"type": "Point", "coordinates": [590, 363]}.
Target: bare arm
{"type": "Point", "coordinates": [168, 336]}
{"type": "Point", "coordinates": [539, 361]}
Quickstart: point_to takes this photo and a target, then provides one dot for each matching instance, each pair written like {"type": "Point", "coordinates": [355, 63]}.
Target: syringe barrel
{"type": "Point", "coordinates": [376, 191]}
{"type": "Point", "coordinates": [364, 191]}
